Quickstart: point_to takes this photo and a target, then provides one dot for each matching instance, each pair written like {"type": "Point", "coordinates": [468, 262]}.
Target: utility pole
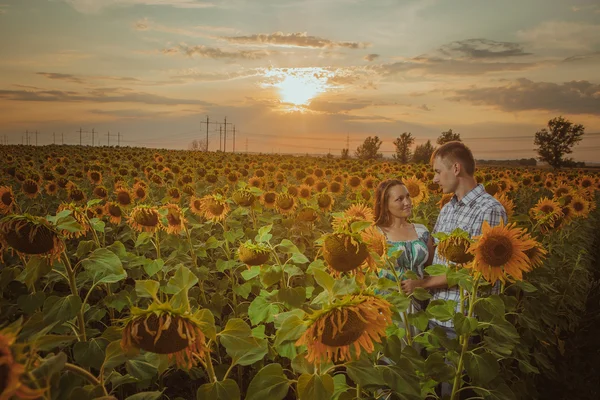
{"type": "Point", "coordinates": [92, 137]}
{"type": "Point", "coordinates": [220, 134]}
{"type": "Point", "coordinates": [234, 138]}
{"type": "Point", "coordinates": [348, 141]}
{"type": "Point", "coordinates": [246, 145]}
{"type": "Point", "coordinates": [119, 139]}
{"type": "Point", "coordinates": [53, 137]}
{"type": "Point", "coordinates": [27, 136]}
{"type": "Point", "coordinates": [225, 135]}
{"type": "Point", "coordinates": [207, 133]}
{"type": "Point", "coordinates": [36, 137]}
{"type": "Point", "coordinates": [63, 137]}
{"type": "Point", "coordinates": [108, 138]}
{"type": "Point", "coordinates": [80, 131]}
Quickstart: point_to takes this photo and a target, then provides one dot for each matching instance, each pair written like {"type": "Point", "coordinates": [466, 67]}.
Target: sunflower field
{"type": "Point", "coordinates": [131, 273]}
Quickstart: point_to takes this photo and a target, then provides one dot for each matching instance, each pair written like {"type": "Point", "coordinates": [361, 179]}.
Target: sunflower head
{"type": "Point", "coordinates": [30, 188]}
{"type": "Point", "coordinates": [79, 214]}
{"type": "Point", "coordinates": [145, 219]}
{"type": "Point", "coordinates": [214, 207]}
{"type": "Point", "coordinates": [307, 214]}
{"type": "Point", "coordinates": [31, 235]}
{"type": "Point", "coordinates": [344, 252]}
{"type": "Point", "coordinates": [285, 203]}
{"type": "Point", "coordinates": [416, 189]}
{"type": "Point", "coordinates": [253, 253]}
{"type": "Point", "coordinates": [455, 247]}
{"type": "Point", "coordinates": [580, 206]}
{"type": "Point", "coordinates": [446, 197]}
{"type": "Point", "coordinates": [174, 194]}
{"type": "Point", "coordinates": [336, 187]}
{"type": "Point", "coordinates": [114, 211]}
{"type": "Point", "coordinates": [507, 203]}
{"type": "Point", "coordinates": [500, 252]}
{"type": "Point", "coordinates": [123, 197]}
{"type": "Point", "coordinates": [352, 322]}
{"type": "Point", "coordinates": [175, 219]}
{"type": "Point", "coordinates": [7, 199]}
{"type": "Point", "coordinates": [325, 201]}
{"type": "Point", "coordinates": [243, 197]}
{"type": "Point", "coordinates": [12, 373]}
{"type": "Point", "coordinates": [546, 212]}
{"type": "Point", "coordinates": [268, 199]}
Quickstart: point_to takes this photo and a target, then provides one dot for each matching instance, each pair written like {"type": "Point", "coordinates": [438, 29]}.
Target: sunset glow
{"type": "Point", "coordinates": [298, 86]}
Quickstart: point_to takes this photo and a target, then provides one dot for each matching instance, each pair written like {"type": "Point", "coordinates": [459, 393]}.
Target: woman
{"type": "Point", "coordinates": [393, 208]}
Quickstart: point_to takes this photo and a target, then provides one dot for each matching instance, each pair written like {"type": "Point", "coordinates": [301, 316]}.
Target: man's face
{"type": "Point", "coordinates": [445, 174]}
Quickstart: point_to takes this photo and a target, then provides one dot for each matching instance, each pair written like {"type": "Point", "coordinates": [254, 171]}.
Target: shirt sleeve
{"type": "Point", "coordinates": [493, 215]}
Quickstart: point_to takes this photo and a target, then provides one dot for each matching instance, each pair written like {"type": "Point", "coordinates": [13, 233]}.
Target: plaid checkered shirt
{"type": "Point", "coordinates": [468, 214]}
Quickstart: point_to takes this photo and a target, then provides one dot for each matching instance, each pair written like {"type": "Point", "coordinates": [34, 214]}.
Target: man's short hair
{"type": "Point", "coordinates": [456, 152]}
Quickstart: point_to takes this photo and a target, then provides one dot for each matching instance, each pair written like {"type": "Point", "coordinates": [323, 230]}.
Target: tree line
{"type": "Point", "coordinates": [553, 143]}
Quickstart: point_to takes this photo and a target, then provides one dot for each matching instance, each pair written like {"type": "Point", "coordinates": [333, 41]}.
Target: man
{"type": "Point", "coordinates": [454, 167]}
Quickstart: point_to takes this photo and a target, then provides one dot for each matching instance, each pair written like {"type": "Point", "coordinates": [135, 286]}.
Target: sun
{"type": "Point", "coordinates": [298, 86]}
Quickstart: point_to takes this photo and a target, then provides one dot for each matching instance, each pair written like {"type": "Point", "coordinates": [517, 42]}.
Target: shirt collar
{"type": "Point", "coordinates": [469, 197]}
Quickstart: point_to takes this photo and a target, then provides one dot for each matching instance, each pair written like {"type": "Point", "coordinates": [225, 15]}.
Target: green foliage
{"type": "Point", "coordinates": [557, 140]}
{"type": "Point", "coordinates": [403, 147]}
{"type": "Point", "coordinates": [448, 136]}
{"type": "Point", "coordinates": [423, 153]}
{"type": "Point", "coordinates": [369, 150]}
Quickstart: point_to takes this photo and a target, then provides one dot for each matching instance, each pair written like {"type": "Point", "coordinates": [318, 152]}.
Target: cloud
{"type": "Point", "coordinates": [95, 6]}
{"type": "Point", "coordinates": [131, 113]}
{"type": "Point", "coordinates": [371, 57]}
{"type": "Point", "coordinates": [212, 52]}
{"type": "Point", "coordinates": [563, 35]}
{"type": "Point", "coordinates": [481, 49]}
{"type": "Point", "coordinates": [196, 75]}
{"type": "Point", "coordinates": [463, 57]}
{"type": "Point", "coordinates": [85, 79]}
{"type": "Point", "coordinates": [335, 107]}
{"type": "Point", "coordinates": [61, 77]}
{"type": "Point", "coordinates": [298, 39]}
{"type": "Point", "coordinates": [588, 57]}
{"type": "Point", "coordinates": [202, 31]}
{"type": "Point", "coordinates": [3, 9]}
{"type": "Point", "coordinates": [574, 97]}
{"type": "Point", "coordinates": [105, 95]}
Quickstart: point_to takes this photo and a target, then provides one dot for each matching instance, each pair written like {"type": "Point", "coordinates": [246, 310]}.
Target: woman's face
{"type": "Point", "coordinates": [399, 202]}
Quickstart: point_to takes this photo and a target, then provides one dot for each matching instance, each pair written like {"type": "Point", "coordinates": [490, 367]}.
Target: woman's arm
{"type": "Point", "coordinates": [431, 249]}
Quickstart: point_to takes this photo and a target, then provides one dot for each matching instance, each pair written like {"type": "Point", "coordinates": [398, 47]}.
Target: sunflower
{"type": "Point", "coordinates": [455, 247]}
{"type": "Point", "coordinates": [162, 330]}
{"type": "Point", "coordinates": [416, 189]}
{"type": "Point", "coordinates": [7, 199]}
{"type": "Point", "coordinates": [145, 219]}
{"type": "Point", "coordinates": [292, 190]}
{"type": "Point", "coordinates": [188, 189]}
{"type": "Point", "coordinates": [310, 181]}
{"type": "Point", "coordinates": [268, 199]}
{"type": "Point", "coordinates": [101, 192]}
{"type": "Point", "coordinates": [561, 190]}
{"type": "Point", "coordinates": [140, 192]}
{"type": "Point", "coordinates": [30, 188]}
{"type": "Point", "coordinates": [376, 242]}
{"type": "Point", "coordinates": [580, 206]}
{"type": "Point", "coordinates": [307, 214]}
{"type": "Point", "coordinates": [500, 252]}
{"type": "Point", "coordinates": [536, 254]}
{"type": "Point", "coordinates": [11, 372]}
{"type": "Point", "coordinates": [336, 187]}
{"type": "Point", "coordinates": [253, 253]}
{"type": "Point", "coordinates": [352, 322]}
{"type": "Point", "coordinates": [114, 211]}
{"type": "Point", "coordinates": [343, 252]}
{"type": "Point", "coordinates": [304, 191]}
{"type": "Point", "coordinates": [243, 197]}
{"type": "Point", "coordinates": [360, 211]}
{"type": "Point", "coordinates": [196, 205]}
{"type": "Point", "coordinates": [31, 235]}
{"type": "Point", "coordinates": [492, 188]}
{"type": "Point", "coordinates": [320, 186]}
{"type": "Point", "coordinates": [586, 182]}
{"type": "Point", "coordinates": [123, 197]}
{"type": "Point", "coordinates": [214, 207]}
{"type": "Point", "coordinates": [507, 203]}
{"type": "Point", "coordinates": [285, 203]}
{"type": "Point", "coordinates": [175, 219]}
{"type": "Point", "coordinates": [76, 195]}
{"type": "Point", "coordinates": [445, 199]}
{"type": "Point", "coordinates": [174, 195]}
{"type": "Point", "coordinates": [79, 215]}
{"type": "Point", "coordinates": [354, 182]}
{"type": "Point", "coordinates": [369, 182]}
{"type": "Point", "coordinates": [232, 178]}
{"type": "Point", "coordinates": [95, 177]}
{"type": "Point", "coordinates": [546, 212]}
{"type": "Point", "coordinates": [325, 201]}
{"type": "Point", "coordinates": [256, 182]}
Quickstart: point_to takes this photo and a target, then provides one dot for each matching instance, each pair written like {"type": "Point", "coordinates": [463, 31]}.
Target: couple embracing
{"type": "Point", "coordinates": [471, 205]}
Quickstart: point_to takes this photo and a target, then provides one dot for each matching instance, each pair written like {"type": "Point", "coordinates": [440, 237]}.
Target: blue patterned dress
{"type": "Point", "coordinates": [413, 258]}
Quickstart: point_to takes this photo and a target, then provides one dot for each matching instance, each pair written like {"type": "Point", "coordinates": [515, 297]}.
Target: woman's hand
{"type": "Point", "coordinates": [409, 285]}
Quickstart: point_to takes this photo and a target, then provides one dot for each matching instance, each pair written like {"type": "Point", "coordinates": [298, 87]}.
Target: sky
{"type": "Point", "coordinates": [299, 76]}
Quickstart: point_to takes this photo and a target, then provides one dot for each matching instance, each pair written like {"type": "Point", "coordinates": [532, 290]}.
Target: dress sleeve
{"type": "Point", "coordinates": [423, 232]}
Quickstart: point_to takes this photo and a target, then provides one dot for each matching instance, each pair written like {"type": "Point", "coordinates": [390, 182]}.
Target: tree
{"type": "Point", "coordinates": [345, 154]}
{"type": "Point", "coordinates": [403, 144]}
{"type": "Point", "coordinates": [369, 149]}
{"type": "Point", "coordinates": [423, 152]}
{"type": "Point", "coordinates": [448, 136]}
{"type": "Point", "coordinates": [557, 140]}
{"type": "Point", "coordinates": [198, 145]}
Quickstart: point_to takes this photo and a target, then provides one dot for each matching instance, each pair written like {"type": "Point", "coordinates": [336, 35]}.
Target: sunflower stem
{"type": "Point", "coordinates": [409, 339]}
{"type": "Point", "coordinates": [465, 341]}
{"type": "Point", "coordinates": [73, 286]}
{"type": "Point", "coordinates": [358, 391]}
{"type": "Point", "coordinates": [209, 366]}
{"type": "Point", "coordinates": [86, 375]}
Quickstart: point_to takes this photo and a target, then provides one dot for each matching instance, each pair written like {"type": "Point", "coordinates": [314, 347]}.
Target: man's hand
{"type": "Point", "coordinates": [409, 285]}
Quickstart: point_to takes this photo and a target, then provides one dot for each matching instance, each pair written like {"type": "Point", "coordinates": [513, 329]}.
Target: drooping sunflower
{"type": "Point", "coordinates": [285, 203]}
{"type": "Point", "coordinates": [30, 188]}
{"type": "Point", "coordinates": [500, 252]}
{"type": "Point", "coordinates": [101, 192]}
{"type": "Point", "coordinates": [79, 214]}
{"type": "Point", "coordinates": [325, 201]}
{"type": "Point", "coordinates": [343, 252]}
{"type": "Point", "coordinates": [536, 254]}
{"type": "Point", "coordinates": [30, 235]}
{"type": "Point", "coordinates": [114, 212]}
{"type": "Point", "coordinates": [446, 197]}
{"type": "Point", "coordinates": [253, 253]}
{"type": "Point", "coordinates": [353, 322]}
{"type": "Point", "coordinates": [307, 214]}
{"type": "Point", "coordinates": [376, 242]}
{"type": "Point", "coordinates": [416, 189]}
{"type": "Point", "coordinates": [140, 192]}
{"type": "Point", "coordinates": [76, 195]}
{"type": "Point", "coordinates": [95, 177]}
{"type": "Point", "coordinates": [7, 199]}
{"type": "Point", "coordinates": [12, 372]}
{"type": "Point", "coordinates": [292, 190]}
{"type": "Point", "coordinates": [336, 187]}
{"type": "Point", "coordinates": [304, 191]}
{"type": "Point", "coordinates": [162, 330]}
{"type": "Point", "coordinates": [243, 197]}
{"type": "Point", "coordinates": [174, 194]}
{"type": "Point", "coordinates": [268, 199]}
{"type": "Point", "coordinates": [175, 219]}
{"type": "Point", "coordinates": [214, 207]}
{"type": "Point", "coordinates": [455, 247]}
{"type": "Point", "coordinates": [145, 219]}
